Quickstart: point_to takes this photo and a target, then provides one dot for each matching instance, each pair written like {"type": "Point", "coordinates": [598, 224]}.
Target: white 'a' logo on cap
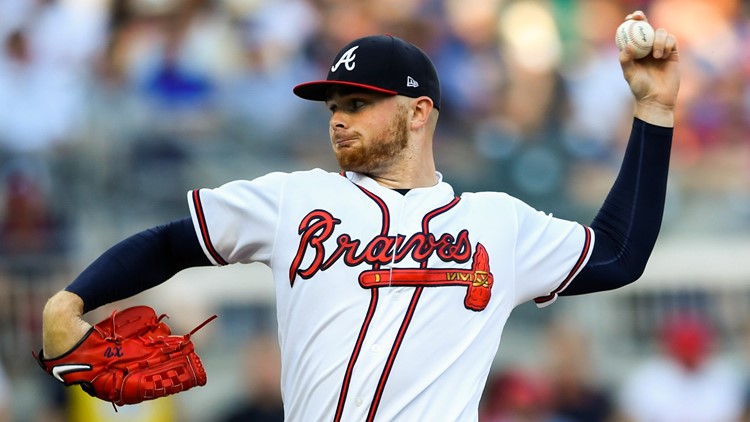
{"type": "Point", "coordinates": [347, 59]}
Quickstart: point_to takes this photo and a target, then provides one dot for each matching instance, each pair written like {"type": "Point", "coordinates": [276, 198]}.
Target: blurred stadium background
{"type": "Point", "coordinates": [111, 110]}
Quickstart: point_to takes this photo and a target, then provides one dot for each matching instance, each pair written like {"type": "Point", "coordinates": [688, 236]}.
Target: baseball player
{"type": "Point", "coordinates": [392, 292]}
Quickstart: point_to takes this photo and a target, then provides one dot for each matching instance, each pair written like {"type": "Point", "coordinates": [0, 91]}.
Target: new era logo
{"type": "Point", "coordinates": [411, 83]}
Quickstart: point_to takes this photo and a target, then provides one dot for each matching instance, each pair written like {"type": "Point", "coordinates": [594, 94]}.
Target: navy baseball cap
{"type": "Point", "coordinates": [381, 63]}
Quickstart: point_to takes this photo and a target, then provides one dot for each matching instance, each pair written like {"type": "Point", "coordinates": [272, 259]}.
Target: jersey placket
{"type": "Point", "coordinates": [392, 309]}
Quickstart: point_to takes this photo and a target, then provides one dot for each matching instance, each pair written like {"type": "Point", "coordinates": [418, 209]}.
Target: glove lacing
{"type": "Point", "coordinates": [149, 327]}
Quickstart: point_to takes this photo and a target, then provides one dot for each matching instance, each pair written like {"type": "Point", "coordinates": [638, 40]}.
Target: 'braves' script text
{"type": "Point", "coordinates": [319, 226]}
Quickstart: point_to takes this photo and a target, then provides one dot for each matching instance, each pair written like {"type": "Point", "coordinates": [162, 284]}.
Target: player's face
{"type": "Point", "coordinates": [369, 131]}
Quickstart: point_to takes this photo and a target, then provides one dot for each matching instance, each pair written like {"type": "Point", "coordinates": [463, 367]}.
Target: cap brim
{"type": "Point", "coordinates": [318, 90]}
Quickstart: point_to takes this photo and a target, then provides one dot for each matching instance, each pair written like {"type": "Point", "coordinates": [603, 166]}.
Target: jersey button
{"type": "Point", "coordinates": [358, 402]}
{"type": "Point", "coordinates": [375, 348]}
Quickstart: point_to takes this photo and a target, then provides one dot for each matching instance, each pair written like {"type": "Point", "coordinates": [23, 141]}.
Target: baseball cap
{"type": "Point", "coordinates": [381, 63]}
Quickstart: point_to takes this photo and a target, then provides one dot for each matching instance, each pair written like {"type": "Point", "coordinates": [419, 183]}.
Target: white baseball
{"type": "Point", "coordinates": [639, 34]}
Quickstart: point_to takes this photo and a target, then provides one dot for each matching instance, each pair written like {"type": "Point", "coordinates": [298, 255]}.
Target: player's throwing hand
{"type": "Point", "coordinates": [654, 79]}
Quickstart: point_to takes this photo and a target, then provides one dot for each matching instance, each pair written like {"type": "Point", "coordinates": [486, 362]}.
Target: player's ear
{"type": "Point", "coordinates": [421, 111]}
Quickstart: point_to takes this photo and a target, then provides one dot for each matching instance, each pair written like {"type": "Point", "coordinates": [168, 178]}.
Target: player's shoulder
{"type": "Point", "coordinates": [281, 177]}
{"type": "Point", "coordinates": [317, 173]}
{"type": "Point", "coordinates": [488, 196]}
{"type": "Point", "coordinates": [306, 179]}
{"type": "Point", "coordinates": [497, 201]}
{"type": "Point", "coordinates": [277, 182]}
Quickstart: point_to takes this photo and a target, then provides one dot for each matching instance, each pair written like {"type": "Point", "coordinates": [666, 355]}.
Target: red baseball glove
{"type": "Point", "coordinates": [130, 357]}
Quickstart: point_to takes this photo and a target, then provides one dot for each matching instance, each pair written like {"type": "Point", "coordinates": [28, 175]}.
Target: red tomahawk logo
{"type": "Point", "coordinates": [478, 279]}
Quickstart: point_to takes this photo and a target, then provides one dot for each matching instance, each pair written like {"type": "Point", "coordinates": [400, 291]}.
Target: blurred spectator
{"type": "Point", "coordinates": [31, 229]}
{"type": "Point", "coordinates": [687, 382]}
{"type": "Point", "coordinates": [599, 97]}
{"type": "Point", "coordinates": [43, 66]}
{"type": "Point", "coordinates": [516, 395]}
{"type": "Point", "coordinates": [576, 391]}
{"type": "Point", "coordinates": [25, 86]}
{"type": "Point", "coordinates": [175, 80]}
{"type": "Point", "coordinates": [469, 59]}
{"type": "Point", "coordinates": [270, 63]}
{"type": "Point", "coordinates": [262, 371]}
{"type": "Point", "coordinates": [172, 57]}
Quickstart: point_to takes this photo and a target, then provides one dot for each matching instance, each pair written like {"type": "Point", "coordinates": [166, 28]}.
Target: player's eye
{"type": "Point", "coordinates": [348, 105]}
{"type": "Point", "coordinates": [354, 105]}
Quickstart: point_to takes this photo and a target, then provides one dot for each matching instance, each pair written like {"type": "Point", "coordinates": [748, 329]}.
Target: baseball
{"type": "Point", "coordinates": [639, 34]}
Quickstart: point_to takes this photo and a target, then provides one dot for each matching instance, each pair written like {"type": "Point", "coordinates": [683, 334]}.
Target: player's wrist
{"type": "Point", "coordinates": [62, 325]}
{"type": "Point", "coordinates": [655, 114]}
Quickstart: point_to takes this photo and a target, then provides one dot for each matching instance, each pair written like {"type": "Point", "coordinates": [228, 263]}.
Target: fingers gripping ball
{"type": "Point", "coordinates": [130, 357]}
{"type": "Point", "coordinates": [637, 33]}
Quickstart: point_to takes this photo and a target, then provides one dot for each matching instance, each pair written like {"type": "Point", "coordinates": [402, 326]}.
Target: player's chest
{"type": "Point", "coordinates": [396, 244]}
{"type": "Point", "coordinates": [377, 232]}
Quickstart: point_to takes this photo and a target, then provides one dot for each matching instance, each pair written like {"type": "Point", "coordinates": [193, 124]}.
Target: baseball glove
{"type": "Point", "coordinates": [130, 357]}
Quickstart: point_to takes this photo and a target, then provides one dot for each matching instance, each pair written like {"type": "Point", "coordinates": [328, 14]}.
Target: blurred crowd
{"type": "Point", "coordinates": [683, 377]}
{"type": "Point", "coordinates": [111, 110]}
{"type": "Point", "coordinates": [104, 97]}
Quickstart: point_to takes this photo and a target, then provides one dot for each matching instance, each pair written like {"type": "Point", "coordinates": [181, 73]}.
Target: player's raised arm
{"type": "Point", "coordinates": [628, 224]}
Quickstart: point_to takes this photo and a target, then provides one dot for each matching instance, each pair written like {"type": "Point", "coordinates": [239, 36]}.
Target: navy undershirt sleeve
{"type": "Point", "coordinates": [628, 223]}
{"type": "Point", "coordinates": [138, 263]}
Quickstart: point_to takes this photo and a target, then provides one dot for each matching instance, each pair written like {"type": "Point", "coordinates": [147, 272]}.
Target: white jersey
{"type": "Point", "coordinates": [390, 306]}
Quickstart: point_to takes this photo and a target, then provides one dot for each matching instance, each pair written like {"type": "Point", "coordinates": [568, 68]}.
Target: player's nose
{"type": "Point", "coordinates": [338, 121]}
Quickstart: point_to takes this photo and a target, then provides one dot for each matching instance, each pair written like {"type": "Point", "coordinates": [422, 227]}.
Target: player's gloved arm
{"type": "Point", "coordinates": [138, 263]}
{"type": "Point", "coordinates": [628, 223]}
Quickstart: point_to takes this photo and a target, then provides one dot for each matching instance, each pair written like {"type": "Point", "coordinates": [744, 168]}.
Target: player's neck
{"type": "Point", "coordinates": [408, 178]}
